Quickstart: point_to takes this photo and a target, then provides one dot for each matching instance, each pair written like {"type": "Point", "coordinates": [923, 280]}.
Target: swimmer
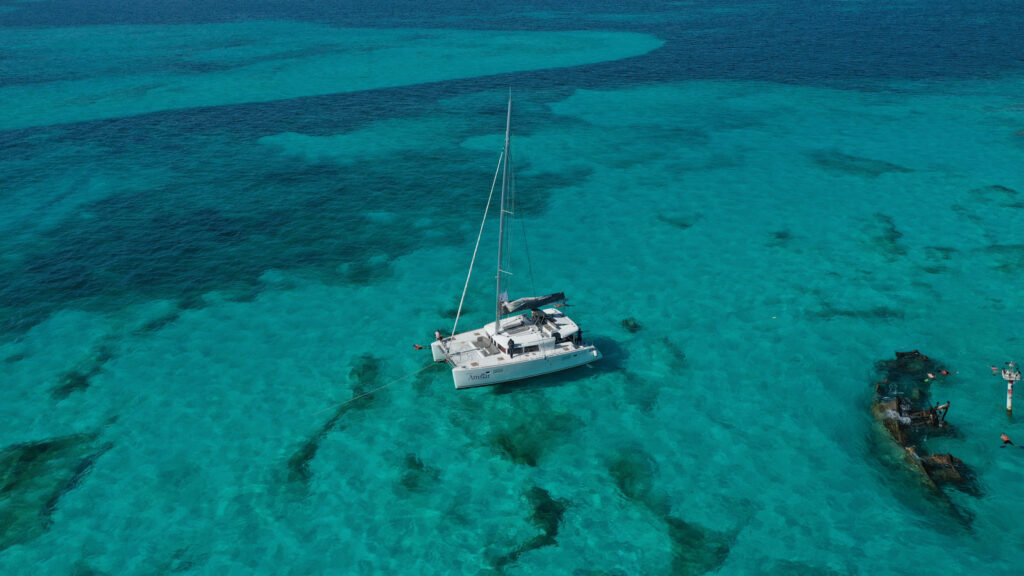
{"type": "Point", "coordinates": [1006, 440]}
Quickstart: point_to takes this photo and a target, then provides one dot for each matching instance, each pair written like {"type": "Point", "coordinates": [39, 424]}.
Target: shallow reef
{"type": "Point", "coordinates": [840, 162]}
{"type": "Point", "coordinates": [780, 239]}
{"type": "Point", "coordinates": [695, 549]}
{"type": "Point", "coordinates": [35, 476]}
{"type": "Point", "coordinates": [529, 438]}
{"type": "Point", "coordinates": [631, 325]}
{"type": "Point", "coordinates": [80, 378]}
{"type": "Point", "coordinates": [546, 514]}
{"type": "Point", "coordinates": [418, 476]}
{"type": "Point", "coordinates": [886, 238]}
{"type": "Point", "coordinates": [363, 377]}
{"type": "Point", "coordinates": [682, 222]}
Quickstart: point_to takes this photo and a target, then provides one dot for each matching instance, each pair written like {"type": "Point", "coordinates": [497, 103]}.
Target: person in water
{"type": "Point", "coordinates": [1006, 440]}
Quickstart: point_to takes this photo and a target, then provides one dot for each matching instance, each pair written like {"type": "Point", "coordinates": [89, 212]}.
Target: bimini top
{"type": "Point", "coordinates": [530, 302]}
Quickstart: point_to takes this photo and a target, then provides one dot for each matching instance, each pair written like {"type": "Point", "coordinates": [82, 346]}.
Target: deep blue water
{"type": "Point", "coordinates": [793, 41]}
{"type": "Point", "coordinates": [844, 44]}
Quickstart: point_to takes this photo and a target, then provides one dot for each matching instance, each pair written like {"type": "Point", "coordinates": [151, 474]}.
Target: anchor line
{"type": "Point", "coordinates": [381, 387]}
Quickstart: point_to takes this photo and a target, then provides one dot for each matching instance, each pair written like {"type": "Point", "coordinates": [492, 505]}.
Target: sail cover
{"type": "Point", "coordinates": [531, 302]}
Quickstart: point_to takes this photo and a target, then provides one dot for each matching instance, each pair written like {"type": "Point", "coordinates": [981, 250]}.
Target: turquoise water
{"type": "Point", "coordinates": [219, 226]}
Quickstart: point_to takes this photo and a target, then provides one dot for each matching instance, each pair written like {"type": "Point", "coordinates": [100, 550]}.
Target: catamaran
{"type": "Point", "coordinates": [525, 339]}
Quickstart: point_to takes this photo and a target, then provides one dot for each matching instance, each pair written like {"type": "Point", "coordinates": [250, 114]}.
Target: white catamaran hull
{"type": "Point", "coordinates": [520, 367]}
{"type": "Point", "coordinates": [524, 340]}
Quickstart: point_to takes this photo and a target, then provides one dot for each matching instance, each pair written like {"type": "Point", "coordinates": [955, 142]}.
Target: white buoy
{"type": "Point", "coordinates": [1011, 374]}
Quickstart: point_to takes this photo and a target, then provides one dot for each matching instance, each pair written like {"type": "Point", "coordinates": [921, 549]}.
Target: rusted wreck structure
{"type": "Point", "coordinates": [904, 409]}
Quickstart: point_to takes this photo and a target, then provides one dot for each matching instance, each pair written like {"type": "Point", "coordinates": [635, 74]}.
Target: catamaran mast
{"type": "Point", "coordinates": [501, 214]}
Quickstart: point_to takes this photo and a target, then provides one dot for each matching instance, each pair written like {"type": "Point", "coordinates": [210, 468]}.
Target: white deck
{"type": "Point", "coordinates": [542, 345]}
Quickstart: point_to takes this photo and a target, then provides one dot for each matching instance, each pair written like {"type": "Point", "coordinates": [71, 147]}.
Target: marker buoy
{"type": "Point", "coordinates": [1011, 374]}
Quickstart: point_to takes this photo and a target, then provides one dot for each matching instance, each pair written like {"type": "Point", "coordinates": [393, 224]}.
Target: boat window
{"type": "Point", "coordinates": [531, 349]}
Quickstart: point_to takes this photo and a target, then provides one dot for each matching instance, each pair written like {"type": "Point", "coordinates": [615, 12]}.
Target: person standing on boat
{"type": "Point", "coordinates": [511, 348]}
